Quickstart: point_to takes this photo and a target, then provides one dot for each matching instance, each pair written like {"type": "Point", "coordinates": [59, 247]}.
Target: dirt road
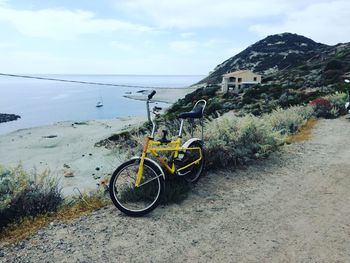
{"type": "Point", "coordinates": [292, 207]}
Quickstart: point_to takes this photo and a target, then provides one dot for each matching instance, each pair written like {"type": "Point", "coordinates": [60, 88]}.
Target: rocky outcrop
{"type": "Point", "coordinates": [4, 117]}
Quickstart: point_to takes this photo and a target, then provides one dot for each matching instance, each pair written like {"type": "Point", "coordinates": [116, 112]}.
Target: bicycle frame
{"type": "Point", "coordinates": [152, 147]}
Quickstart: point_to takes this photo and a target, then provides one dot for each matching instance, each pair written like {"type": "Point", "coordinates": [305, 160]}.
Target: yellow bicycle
{"type": "Point", "coordinates": [137, 185]}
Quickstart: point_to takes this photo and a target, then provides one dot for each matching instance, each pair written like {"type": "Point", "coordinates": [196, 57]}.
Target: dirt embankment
{"type": "Point", "coordinates": [292, 207]}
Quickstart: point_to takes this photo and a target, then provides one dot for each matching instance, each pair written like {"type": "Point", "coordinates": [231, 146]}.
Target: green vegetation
{"type": "Point", "coordinates": [73, 208]}
{"type": "Point", "coordinates": [331, 106]}
{"type": "Point", "coordinates": [232, 140]}
{"type": "Point", "coordinates": [23, 195]}
{"type": "Point", "coordinates": [31, 201]}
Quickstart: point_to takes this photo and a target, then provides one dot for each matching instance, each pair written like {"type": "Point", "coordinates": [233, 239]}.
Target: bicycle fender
{"type": "Point", "coordinates": [187, 143]}
{"type": "Point", "coordinates": [153, 162]}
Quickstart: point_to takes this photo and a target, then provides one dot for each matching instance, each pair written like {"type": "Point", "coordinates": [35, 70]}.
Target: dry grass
{"type": "Point", "coordinates": [304, 134]}
{"type": "Point", "coordinates": [29, 226]}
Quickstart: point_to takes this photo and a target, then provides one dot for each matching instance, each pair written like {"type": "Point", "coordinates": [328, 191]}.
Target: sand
{"type": "Point", "coordinates": [66, 148]}
{"type": "Point", "coordinates": [170, 95]}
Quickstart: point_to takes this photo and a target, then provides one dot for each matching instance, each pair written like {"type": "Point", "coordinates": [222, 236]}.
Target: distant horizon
{"type": "Point", "coordinates": [107, 74]}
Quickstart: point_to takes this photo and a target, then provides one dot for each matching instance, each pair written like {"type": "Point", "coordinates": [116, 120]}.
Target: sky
{"type": "Point", "coordinates": [170, 37]}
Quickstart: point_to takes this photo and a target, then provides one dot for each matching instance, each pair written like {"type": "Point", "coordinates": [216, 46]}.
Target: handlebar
{"type": "Point", "coordinates": [150, 96]}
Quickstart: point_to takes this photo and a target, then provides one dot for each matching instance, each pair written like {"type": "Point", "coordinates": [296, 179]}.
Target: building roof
{"type": "Point", "coordinates": [238, 72]}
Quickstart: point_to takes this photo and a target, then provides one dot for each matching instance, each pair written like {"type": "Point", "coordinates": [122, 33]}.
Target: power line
{"type": "Point", "coordinates": [81, 82]}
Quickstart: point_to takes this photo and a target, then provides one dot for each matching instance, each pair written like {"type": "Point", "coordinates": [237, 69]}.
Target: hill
{"type": "Point", "coordinates": [277, 55]}
{"type": "Point", "coordinates": [294, 69]}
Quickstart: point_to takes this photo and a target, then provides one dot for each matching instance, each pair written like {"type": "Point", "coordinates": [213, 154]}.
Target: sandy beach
{"type": "Point", "coordinates": [170, 95]}
{"type": "Point", "coordinates": [66, 148]}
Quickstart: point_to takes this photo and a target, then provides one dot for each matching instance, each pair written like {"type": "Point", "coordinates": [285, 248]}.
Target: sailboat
{"type": "Point", "coordinates": [100, 101]}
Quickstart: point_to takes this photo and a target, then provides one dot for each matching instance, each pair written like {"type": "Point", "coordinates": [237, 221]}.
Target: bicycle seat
{"type": "Point", "coordinates": [195, 113]}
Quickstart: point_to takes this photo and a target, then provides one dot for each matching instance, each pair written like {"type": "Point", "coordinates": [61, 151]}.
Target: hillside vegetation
{"type": "Point", "coordinates": [295, 70]}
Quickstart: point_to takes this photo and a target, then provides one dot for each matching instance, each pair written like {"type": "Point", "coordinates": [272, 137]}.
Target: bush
{"type": "Point", "coordinates": [334, 65]}
{"type": "Point", "coordinates": [337, 102]}
{"type": "Point", "coordinates": [290, 120]}
{"type": "Point", "coordinates": [322, 107]}
{"type": "Point", "coordinates": [23, 195]}
{"type": "Point", "coordinates": [231, 140]}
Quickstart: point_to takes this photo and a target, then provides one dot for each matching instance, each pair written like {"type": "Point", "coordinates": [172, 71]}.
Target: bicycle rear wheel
{"type": "Point", "coordinates": [131, 200]}
{"type": "Point", "coordinates": [195, 170]}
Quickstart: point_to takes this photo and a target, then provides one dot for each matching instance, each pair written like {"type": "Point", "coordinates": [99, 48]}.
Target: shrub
{"type": "Point", "coordinates": [290, 120]}
{"type": "Point", "coordinates": [23, 195]}
{"type": "Point", "coordinates": [333, 65]}
{"type": "Point", "coordinates": [231, 140]}
{"type": "Point", "coordinates": [337, 102]}
{"type": "Point", "coordinates": [322, 107]}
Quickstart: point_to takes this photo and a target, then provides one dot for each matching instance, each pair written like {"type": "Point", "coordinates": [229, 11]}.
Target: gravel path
{"type": "Point", "coordinates": [292, 207]}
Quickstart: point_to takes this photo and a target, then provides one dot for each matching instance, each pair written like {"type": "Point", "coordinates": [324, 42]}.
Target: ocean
{"type": "Point", "coordinates": [43, 102]}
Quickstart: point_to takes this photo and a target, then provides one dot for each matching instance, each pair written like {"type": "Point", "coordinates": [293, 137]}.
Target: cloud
{"type": "Point", "coordinates": [183, 46]}
{"type": "Point", "coordinates": [216, 42]}
{"type": "Point", "coordinates": [187, 34]}
{"type": "Point", "coordinates": [46, 63]}
{"type": "Point", "coordinates": [6, 45]}
{"type": "Point", "coordinates": [323, 22]}
{"type": "Point", "coordinates": [185, 14]}
{"type": "Point", "coordinates": [62, 23]}
{"type": "Point", "coordinates": [121, 46]}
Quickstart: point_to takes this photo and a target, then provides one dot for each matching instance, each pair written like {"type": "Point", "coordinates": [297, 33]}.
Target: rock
{"type": "Point", "coordinates": [4, 117]}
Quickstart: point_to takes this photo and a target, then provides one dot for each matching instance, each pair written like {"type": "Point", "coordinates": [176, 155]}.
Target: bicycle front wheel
{"type": "Point", "coordinates": [132, 200]}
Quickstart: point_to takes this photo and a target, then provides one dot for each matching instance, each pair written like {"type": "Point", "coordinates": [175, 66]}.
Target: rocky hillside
{"type": "Point", "coordinates": [289, 59]}
{"type": "Point", "coordinates": [295, 70]}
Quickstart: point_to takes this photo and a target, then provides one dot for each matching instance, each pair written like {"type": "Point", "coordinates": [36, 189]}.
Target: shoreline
{"type": "Point", "coordinates": [164, 95]}
{"type": "Point", "coordinates": [67, 150]}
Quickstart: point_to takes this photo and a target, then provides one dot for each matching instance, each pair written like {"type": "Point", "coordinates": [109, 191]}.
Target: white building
{"type": "Point", "coordinates": [238, 80]}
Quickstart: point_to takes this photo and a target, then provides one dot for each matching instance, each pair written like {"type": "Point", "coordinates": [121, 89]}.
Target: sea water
{"type": "Point", "coordinates": [43, 102]}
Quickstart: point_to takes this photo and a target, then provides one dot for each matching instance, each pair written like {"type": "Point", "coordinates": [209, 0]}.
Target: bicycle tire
{"type": "Point", "coordinates": [147, 195]}
{"type": "Point", "coordinates": [197, 169]}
